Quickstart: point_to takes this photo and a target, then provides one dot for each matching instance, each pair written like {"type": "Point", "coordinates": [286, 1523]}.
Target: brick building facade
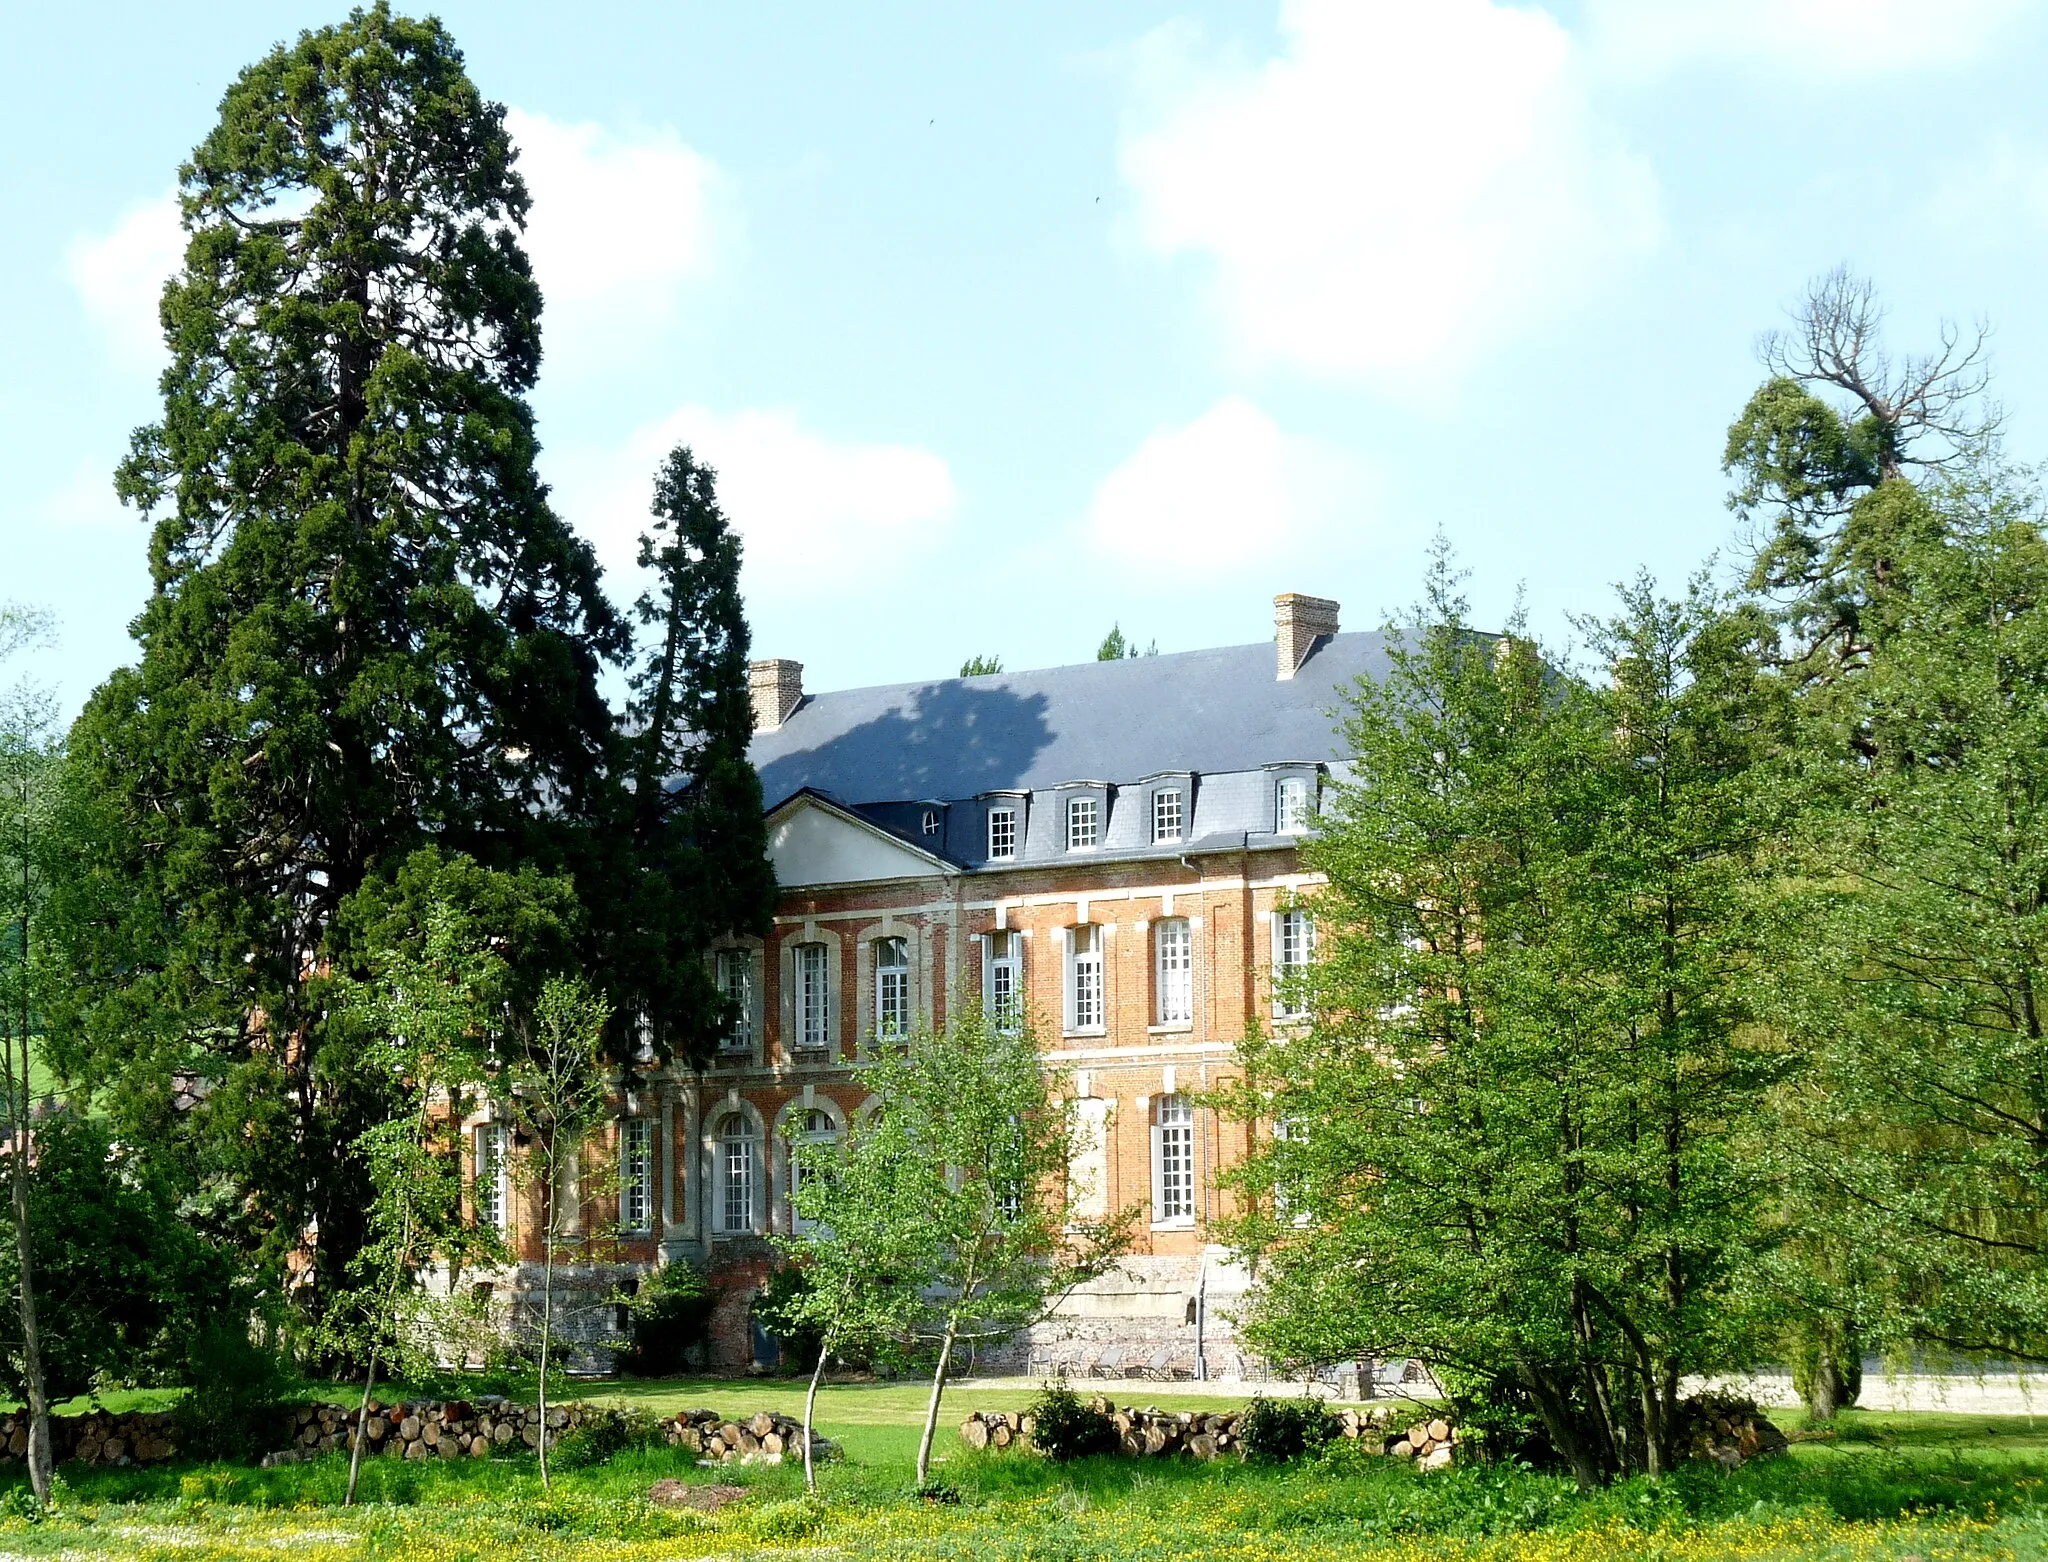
{"type": "Point", "coordinates": [1112, 846]}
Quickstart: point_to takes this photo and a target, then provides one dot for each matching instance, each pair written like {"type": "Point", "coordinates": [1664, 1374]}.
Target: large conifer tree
{"type": "Point", "coordinates": [368, 631]}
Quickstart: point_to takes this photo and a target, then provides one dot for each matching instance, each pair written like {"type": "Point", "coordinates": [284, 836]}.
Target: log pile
{"type": "Point", "coordinates": [98, 1437]}
{"type": "Point", "coordinates": [1432, 1444]}
{"type": "Point", "coordinates": [1150, 1433]}
{"type": "Point", "coordinates": [766, 1438]}
{"type": "Point", "coordinates": [426, 1428]}
{"type": "Point", "coordinates": [1727, 1430]}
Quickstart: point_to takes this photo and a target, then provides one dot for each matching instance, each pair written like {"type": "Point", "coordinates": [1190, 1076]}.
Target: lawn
{"type": "Point", "coordinates": [1883, 1486]}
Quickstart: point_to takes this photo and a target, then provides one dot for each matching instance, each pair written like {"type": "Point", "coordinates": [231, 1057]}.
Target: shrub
{"type": "Point", "coordinates": [1276, 1430]}
{"type": "Point", "coordinates": [1497, 1421]}
{"type": "Point", "coordinates": [667, 1318]}
{"type": "Point", "coordinates": [1064, 1428]}
{"type": "Point", "coordinates": [799, 1344]}
{"type": "Point", "coordinates": [604, 1434]}
{"type": "Point", "coordinates": [233, 1410]}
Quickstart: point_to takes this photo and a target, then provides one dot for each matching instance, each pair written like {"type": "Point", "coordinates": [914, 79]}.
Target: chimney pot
{"type": "Point", "coordinates": [1300, 623]}
{"type": "Point", "coordinates": [778, 688]}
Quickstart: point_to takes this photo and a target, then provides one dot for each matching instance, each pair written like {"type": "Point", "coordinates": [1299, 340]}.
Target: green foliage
{"type": "Point", "coordinates": [981, 666]}
{"type": "Point", "coordinates": [1274, 1431]}
{"type": "Point", "coordinates": [785, 1297]}
{"type": "Point", "coordinates": [234, 1407]}
{"type": "Point", "coordinates": [1520, 1132]}
{"type": "Point", "coordinates": [1064, 1427]}
{"type": "Point", "coordinates": [1116, 648]}
{"type": "Point", "coordinates": [367, 632]}
{"type": "Point", "coordinates": [1925, 940]}
{"type": "Point", "coordinates": [698, 865]}
{"type": "Point", "coordinates": [605, 1434]}
{"type": "Point", "coordinates": [668, 1318]}
{"type": "Point", "coordinates": [125, 1286]}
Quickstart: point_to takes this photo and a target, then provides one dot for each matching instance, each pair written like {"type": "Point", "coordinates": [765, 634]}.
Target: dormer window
{"type": "Point", "coordinates": [1002, 834]}
{"type": "Point", "coordinates": [1167, 814]}
{"type": "Point", "coordinates": [1294, 805]}
{"type": "Point", "coordinates": [1084, 823]}
{"type": "Point", "coordinates": [931, 821]}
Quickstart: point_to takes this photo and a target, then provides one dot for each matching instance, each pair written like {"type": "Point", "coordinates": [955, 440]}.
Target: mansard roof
{"type": "Point", "coordinates": [951, 740]}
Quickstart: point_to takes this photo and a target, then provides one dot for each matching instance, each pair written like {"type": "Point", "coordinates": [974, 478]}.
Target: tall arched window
{"type": "Point", "coordinates": [491, 1188]}
{"type": "Point", "coordinates": [738, 1149]}
{"type": "Point", "coordinates": [892, 987]}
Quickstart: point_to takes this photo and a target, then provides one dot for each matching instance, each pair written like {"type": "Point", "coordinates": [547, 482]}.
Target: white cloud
{"type": "Point", "coordinates": [1227, 491]}
{"type": "Point", "coordinates": [1814, 37]}
{"type": "Point", "coordinates": [622, 224]}
{"type": "Point", "coordinates": [1401, 187]}
{"type": "Point", "coordinates": [119, 277]}
{"type": "Point", "coordinates": [818, 515]}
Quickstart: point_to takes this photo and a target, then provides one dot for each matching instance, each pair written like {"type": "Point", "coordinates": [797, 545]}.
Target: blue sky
{"type": "Point", "coordinates": [1003, 323]}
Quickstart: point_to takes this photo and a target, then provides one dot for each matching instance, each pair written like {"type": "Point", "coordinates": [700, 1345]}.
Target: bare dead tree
{"type": "Point", "coordinates": [1836, 341]}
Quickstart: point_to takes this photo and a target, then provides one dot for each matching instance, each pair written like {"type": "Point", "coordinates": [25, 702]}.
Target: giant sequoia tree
{"type": "Point", "coordinates": [368, 630]}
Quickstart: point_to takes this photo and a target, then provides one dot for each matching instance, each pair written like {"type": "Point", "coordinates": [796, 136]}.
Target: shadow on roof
{"type": "Point", "coordinates": [954, 739]}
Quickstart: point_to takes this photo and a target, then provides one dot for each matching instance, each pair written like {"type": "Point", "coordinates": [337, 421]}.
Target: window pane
{"type": "Point", "coordinates": [1176, 972]}
{"type": "Point", "coordinates": [812, 998]}
{"type": "Point", "coordinates": [1084, 978]}
{"type": "Point", "coordinates": [636, 1174]}
{"type": "Point", "coordinates": [892, 987]}
{"type": "Point", "coordinates": [736, 1173]}
{"type": "Point", "coordinates": [1166, 814]}
{"type": "Point", "coordinates": [1176, 1159]}
{"type": "Point", "coordinates": [1081, 823]}
{"type": "Point", "coordinates": [1005, 985]}
{"type": "Point", "coordinates": [1292, 809]}
{"type": "Point", "coordinates": [1002, 832]}
{"type": "Point", "coordinates": [736, 983]}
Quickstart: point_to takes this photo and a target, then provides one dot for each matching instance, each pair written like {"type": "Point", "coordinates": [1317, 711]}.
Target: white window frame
{"type": "Point", "coordinates": [636, 1175]}
{"type": "Point", "coordinates": [1087, 1006]}
{"type": "Point", "coordinates": [735, 976]}
{"type": "Point", "coordinates": [1173, 1162]}
{"type": "Point", "coordinates": [813, 1005]}
{"type": "Point", "coordinates": [1003, 991]}
{"type": "Point", "coordinates": [1084, 823]}
{"type": "Point", "coordinates": [1169, 815]}
{"type": "Point", "coordinates": [491, 1178]}
{"type": "Point", "coordinates": [931, 821]}
{"type": "Point", "coordinates": [1293, 805]}
{"type": "Point", "coordinates": [1173, 968]}
{"type": "Point", "coordinates": [892, 988]}
{"type": "Point", "coordinates": [1002, 834]}
{"type": "Point", "coordinates": [1294, 951]}
{"type": "Point", "coordinates": [736, 1152]}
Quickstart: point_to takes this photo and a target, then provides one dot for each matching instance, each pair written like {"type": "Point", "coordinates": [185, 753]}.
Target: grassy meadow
{"type": "Point", "coordinates": [1923, 1486]}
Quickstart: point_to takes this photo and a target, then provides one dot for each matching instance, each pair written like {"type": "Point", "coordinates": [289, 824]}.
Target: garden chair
{"type": "Point", "coordinates": [1110, 1364]}
{"type": "Point", "coordinates": [1159, 1365]}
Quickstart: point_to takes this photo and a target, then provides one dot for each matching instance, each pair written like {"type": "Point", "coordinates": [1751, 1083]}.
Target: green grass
{"type": "Point", "coordinates": [1880, 1486]}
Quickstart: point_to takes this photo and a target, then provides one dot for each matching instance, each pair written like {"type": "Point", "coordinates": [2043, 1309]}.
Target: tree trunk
{"type": "Point", "coordinates": [31, 1333]}
{"type": "Point", "coordinates": [810, 1404]}
{"type": "Point", "coordinates": [362, 1437]}
{"type": "Point", "coordinates": [931, 1414]}
{"type": "Point", "coordinates": [547, 1318]}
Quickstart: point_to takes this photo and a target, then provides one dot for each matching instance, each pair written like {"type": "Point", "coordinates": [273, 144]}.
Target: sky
{"type": "Point", "coordinates": [1002, 324]}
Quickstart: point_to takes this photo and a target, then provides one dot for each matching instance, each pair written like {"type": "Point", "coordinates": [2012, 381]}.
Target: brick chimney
{"type": "Point", "coordinates": [778, 689]}
{"type": "Point", "coordinates": [1299, 623]}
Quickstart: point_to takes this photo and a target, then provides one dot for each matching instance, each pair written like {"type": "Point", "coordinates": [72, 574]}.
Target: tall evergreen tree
{"type": "Point", "coordinates": [367, 632]}
{"type": "Point", "coordinates": [689, 862]}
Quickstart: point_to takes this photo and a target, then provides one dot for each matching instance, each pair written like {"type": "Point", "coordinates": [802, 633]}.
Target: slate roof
{"type": "Point", "coordinates": [953, 739]}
